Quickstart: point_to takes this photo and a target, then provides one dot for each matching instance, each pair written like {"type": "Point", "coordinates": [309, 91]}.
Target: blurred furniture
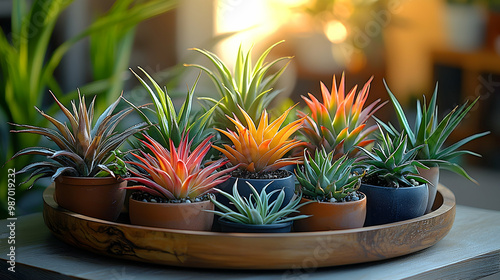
{"type": "Point", "coordinates": [472, 74]}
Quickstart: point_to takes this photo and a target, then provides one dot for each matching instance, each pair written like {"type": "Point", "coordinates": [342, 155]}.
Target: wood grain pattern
{"type": "Point", "coordinates": [251, 251]}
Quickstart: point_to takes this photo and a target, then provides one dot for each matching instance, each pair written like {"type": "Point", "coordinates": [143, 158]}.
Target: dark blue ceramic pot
{"type": "Point", "coordinates": [388, 205]}
{"type": "Point", "coordinates": [287, 184]}
{"type": "Point", "coordinates": [228, 226]}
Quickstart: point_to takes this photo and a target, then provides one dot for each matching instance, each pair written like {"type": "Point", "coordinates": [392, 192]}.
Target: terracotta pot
{"type": "Point", "coordinates": [186, 216]}
{"type": "Point", "coordinates": [389, 205]}
{"type": "Point", "coordinates": [331, 216]}
{"type": "Point", "coordinates": [432, 175]}
{"type": "Point", "coordinates": [228, 226]}
{"type": "Point", "coordinates": [288, 184]}
{"type": "Point", "coordinates": [100, 198]}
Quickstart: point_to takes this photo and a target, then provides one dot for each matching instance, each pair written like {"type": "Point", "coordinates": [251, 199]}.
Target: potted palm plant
{"type": "Point", "coordinates": [394, 190]}
{"type": "Point", "coordinates": [84, 163]}
{"type": "Point", "coordinates": [257, 213]}
{"type": "Point", "coordinates": [175, 187]}
{"type": "Point", "coordinates": [332, 187]}
{"type": "Point", "coordinates": [431, 133]}
{"type": "Point", "coordinates": [260, 153]}
{"type": "Point", "coordinates": [339, 123]}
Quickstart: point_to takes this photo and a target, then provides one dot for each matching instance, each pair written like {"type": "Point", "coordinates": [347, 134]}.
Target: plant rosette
{"type": "Point", "coordinates": [394, 190]}
{"type": "Point", "coordinates": [100, 198]}
{"type": "Point", "coordinates": [157, 212]}
{"type": "Point", "coordinates": [330, 186]}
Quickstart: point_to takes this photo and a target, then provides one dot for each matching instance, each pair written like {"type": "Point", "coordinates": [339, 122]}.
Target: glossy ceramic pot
{"type": "Point", "coordinates": [388, 205]}
{"type": "Point", "coordinates": [100, 198]}
{"type": "Point", "coordinates": [228, 226]}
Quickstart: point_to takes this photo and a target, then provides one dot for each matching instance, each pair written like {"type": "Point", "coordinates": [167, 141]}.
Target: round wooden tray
{"type": "Point", "coordinates": [251, 251]}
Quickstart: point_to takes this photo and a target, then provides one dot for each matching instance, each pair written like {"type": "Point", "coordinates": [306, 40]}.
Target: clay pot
{"type": "Point", "coordinates": [186, 216]}
{"type": "Point", "coordinates": [288, 184]}
{"type": "Point", "coordinates": [331, 216]}
{"type": "Point", "coordinates": [389, 205]}
{"type": "Point", "coordinates": [228, 226]}
{"type": "Point", "coordinates": [100, 198]}
{"type": "Point", "coordinates": [432, 175]}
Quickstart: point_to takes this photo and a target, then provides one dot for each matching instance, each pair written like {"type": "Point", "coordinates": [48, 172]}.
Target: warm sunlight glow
{"type": "Point", "coordinates": [335, 31]}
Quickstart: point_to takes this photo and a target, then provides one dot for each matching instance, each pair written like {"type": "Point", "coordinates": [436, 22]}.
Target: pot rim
{"type": "Point", "coordinates": [290, 175]}
{"type": "Point", "coordinates": [391, 188]}
{"type": "Point", "coordinates": [266, 226]}
{"type": "Point", "coordinates": [166, 204]}
{"type": "Point", "coordinates": [338, 203]}
{"type": "Point", "coordinates": [108, 180]}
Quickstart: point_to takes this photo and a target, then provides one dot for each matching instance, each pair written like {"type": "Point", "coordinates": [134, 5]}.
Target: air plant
{"type": "Point", "coordinates": [84, 150]}
{"type": "Point", "coordinates": [339, 123]}
{"type": "Point", "coordinates": [178, 172]}
{"type": "Point", "coordinates": [261, 148]}
{"type": "Point", "coordinates": [249, 87]}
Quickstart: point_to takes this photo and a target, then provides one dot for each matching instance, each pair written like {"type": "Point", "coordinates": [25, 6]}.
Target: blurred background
{"type": "Point", "coordinates": [411, 44]}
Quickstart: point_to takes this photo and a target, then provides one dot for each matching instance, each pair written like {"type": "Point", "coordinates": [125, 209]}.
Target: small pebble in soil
{"type": "Point", "coordinates": [146, 197]}
{"type": "Point", "coordinates": [351, 197]}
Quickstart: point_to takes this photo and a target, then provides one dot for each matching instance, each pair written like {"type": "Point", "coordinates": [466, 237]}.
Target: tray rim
{"type": "Point", "coordinates": [447, 207]}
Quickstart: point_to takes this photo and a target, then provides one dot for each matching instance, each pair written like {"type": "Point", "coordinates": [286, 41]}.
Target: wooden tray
{"type": "Point", "coordinates": [251, 251]}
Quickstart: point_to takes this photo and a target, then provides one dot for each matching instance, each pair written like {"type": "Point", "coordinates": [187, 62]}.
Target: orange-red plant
{"type": "Point", "coordinates": [177, 173]}
{"type": "Point", "coordinates": [339, 123]}
{"type": "Point", "coordinates": [262, 148]}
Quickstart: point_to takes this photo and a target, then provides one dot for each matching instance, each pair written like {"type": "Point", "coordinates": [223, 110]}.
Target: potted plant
{"type": "Point", "coordinates": [394, 190]}
{"type": "Point", "coordinates": [260, 152]}
{"type": "Point", "coordinates": [332, 187]}
{"type": "Point", "coordinates": [84, 154]}
{"type": "Point", "coordinates": [175, 187]}
{"type": "Point", "coordinates": [431, 133]}
{"type": "Point", "coordinates": [339, 124]}
{"type": "Point", "coordinates": [257, 213]}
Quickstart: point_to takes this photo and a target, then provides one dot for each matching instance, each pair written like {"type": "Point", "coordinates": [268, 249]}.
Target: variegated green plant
{"type": "Point", "coordinates": [171, 125]}
{"type": "Point", "coordinates": [85, 149]}
{"type": "Point", "coordinates": [339, 123]}
{"type": "Point", "coordinates": [249, 87]}
{"type": "Point", "coordinates": [431, 133]}
{"type": "Point", "coordinates": [256, 209]}
{"type": "Point", "coordinates": [325, 178]}
{"type": "Point", "coordinates": [391, 162]}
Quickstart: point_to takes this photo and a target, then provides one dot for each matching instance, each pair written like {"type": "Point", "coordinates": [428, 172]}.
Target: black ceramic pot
{"type": "Point", "coordinates": [228, 226]}
{"type": "Point", "coordinates": [388, 205]}
{"type": "Point", "coordinates": [287, 184]}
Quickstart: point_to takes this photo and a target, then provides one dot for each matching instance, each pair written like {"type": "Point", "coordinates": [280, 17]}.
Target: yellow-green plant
{"type": "Point", "coordinates": [249, 87]}
{"type": "Point", "coordinates": [339, 123]}
{"type": "Point", "coordinates": [264, 147]}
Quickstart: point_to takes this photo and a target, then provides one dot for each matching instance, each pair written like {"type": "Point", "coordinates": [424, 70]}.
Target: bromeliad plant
{"type": "Point", "coordinates": [177, 173]}
{"type": "Point", "coordinates": [391, 163]}
{"type": "Point", "coordinates": [171, 125]}
{"type": "Point", "coordinates": [262, 148]}
{"type": "Point", "coordinates": [324, 178]}
{"type": "Point", "coordinates": [339, 124]}
{"type": "Point", "coordinates": [85, 150]}
{"type": "Point", "coordinates": [431, 133]}
{"type": "Point", "coordinates": [257, 209]}
{"type": "Point", "coordinates": [248, 87]}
